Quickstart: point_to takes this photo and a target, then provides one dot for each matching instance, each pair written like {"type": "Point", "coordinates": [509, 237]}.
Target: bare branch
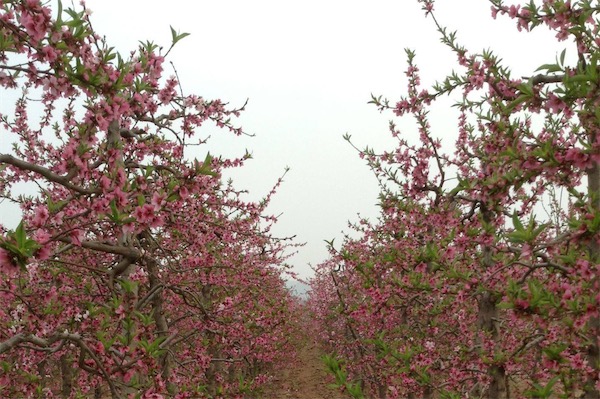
{"type": "Point", "coordinates": [11, 343]}
{"type": "Point", "coordinates": [537, 79]}
{"type": "Point", "coordinates": [127, 252]}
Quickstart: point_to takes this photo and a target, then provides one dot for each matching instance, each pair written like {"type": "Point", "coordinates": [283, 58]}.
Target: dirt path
{"type": "Point", "coordinates": [306, 379]}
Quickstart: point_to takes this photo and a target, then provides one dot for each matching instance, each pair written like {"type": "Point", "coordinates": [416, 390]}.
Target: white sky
{"type": "Point", "coordinates": [308, 68]}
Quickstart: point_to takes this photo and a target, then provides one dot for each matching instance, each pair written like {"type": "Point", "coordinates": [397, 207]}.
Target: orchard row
{"type": "Point", "coordinates": [481, 276]}
{"type": "Point", "coordinates": [135, 271]}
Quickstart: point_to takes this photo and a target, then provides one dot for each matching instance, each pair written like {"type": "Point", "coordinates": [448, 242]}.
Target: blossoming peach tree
{"type": "Point", "coordinates": [481, 276]}
{"type": "Point", "coordinates": [135, 271]}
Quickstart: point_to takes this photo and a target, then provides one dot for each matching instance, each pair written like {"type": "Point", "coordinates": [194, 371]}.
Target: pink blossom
{"type": "Point", "coordinates": [102, 122]}
{"type": "Point", "coordinates": [429, 345]}
{"type": "Point", "coordinates": [43, 253]}
{"type": "Point", "coordinates": [158, 200]}
{"type": "Point", "coordinates": [421, 267]}
{"type": "Point", "coordinates": [578, 158]}
{"type": "Point", "coordinates": [129, 375]}
{"type": "Point", "coordinates": [477, 81]}
{"type": "Point", "coordinates": [578, 362]}
{"type": "Point", "coordinates": [7, 264]}
{"type": "Point", "coordinates": [450, 253]}
{"type": "Point", "coordinates": [562, 34]}
{"type": "Point", "coordinates": [526, 251]}
{"type": "Point", "coordinates": [184, 193]}
{"type": "Point", "coordinates": [531, 164]}
{"type": "Point", "coordinates": [120, 311]}
{"type": "Point", "coordinates": [555, 104]}
{"type": "Point", "coordinates": [120, 197]}
{"type": "Point", "coordinates": [40, 216]}
{"type": "Point", "coordinates": [76, 236]}
{"type": "Point", "coordinates": [494, 12]}
{"type": "Point", "coordinates": [101, 205]}
{"type": "Point", "coordinates": [105, 183]}
{"type": "Point", "coordinates": [401, 107]}
{"type": "Point", "coordinates": [144, 213]}
{"type": "Point", "coordinates": [34, 23]}
{"type": "Point", "coordinates": [583, 268]}
{"type": "Point", "coordinates": [152, 395]}
{"type": "Point", "coordinates": [427, 6]}
{"type": "Point", "coordinates": [41, 236]}
{"type": "Point", "coordinates": [48, 54]}
{"type": "Point", "coordinates": [128, 228]}
{"type": "Point", "coordinates": [523, 22]}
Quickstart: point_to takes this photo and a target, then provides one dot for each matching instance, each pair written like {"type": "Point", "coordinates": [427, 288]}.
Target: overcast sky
{"type": "Point", "coordinates": [308, 69]}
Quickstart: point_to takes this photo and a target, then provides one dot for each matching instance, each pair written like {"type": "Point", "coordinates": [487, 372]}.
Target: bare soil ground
{"type": "Point", "coordinates": [305, 379]}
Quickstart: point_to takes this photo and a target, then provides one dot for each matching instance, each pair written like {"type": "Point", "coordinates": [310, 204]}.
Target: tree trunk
{"type": "Point", "coordinates": [382, 391]}
{"type": "Point", "coordinates": [593, 327]}
{"type": "Point", "coordinates": [66, 373]}
{"type": "Point", "coordinates": [162, 327]}
{"type": "Point", "coordinates": [41, 367]}
{"type": "Point", "coordinates": [428, 393]}
{"type": "Point", "coordinates": [488, 319]}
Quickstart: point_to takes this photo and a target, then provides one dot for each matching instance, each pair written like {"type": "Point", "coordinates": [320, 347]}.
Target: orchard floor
{"type": "Point", "coordinates": [305, 379]}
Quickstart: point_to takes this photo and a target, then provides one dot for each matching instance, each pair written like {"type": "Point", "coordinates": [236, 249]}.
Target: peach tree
{"type": "Point", "coordinates": [136, 271]}
{"type": "Point", "coordinates": [481, 276]}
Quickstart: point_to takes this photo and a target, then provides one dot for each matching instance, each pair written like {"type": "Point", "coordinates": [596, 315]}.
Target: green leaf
{"type": "Point", "coordinates": [128, 285]}
{"type": "Point", "coordinates": [517, 223]}
{"type": "Point", "coordinates": [537, 231]}
{"type": "Point", "coordinates": [59, 14]}
{"type": "Point", "coordinates": [542, 391]}
{"type": "Point", "coordinates": [117, 216]}
{"type": "Point", "coordinates": [553, 352]}
{"type": "Point", "coordinates": [177, 36]}
{"type": "Point", "coordinates": [549, 68]}
{"type": "Point", "coordinates": [516, 102]}
{"type": "Point", "coordinates": [597, 114]}
{"type": "Point", "coordinates": [526, 88]}
{"type": "Point", "coordinates": [148, 170]}
{"type": "Point", "coordinates": [146, 319]}
{"type": "Point", "coordinates": [577, 78]}
{"type": "Point", "coordinates": [54, 207]}
{"type": "Point", "coordinates": [20, 235]}
{"type": "Point", "coordinates": [206, 167]}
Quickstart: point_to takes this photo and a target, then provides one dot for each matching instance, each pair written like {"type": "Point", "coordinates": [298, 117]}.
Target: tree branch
{"type": "Point", "coordinates": [47, 173]}
{"type": "Point", "coordinates": [127, 252]}
{"type": "Point", "coordinates": [537, 79]}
